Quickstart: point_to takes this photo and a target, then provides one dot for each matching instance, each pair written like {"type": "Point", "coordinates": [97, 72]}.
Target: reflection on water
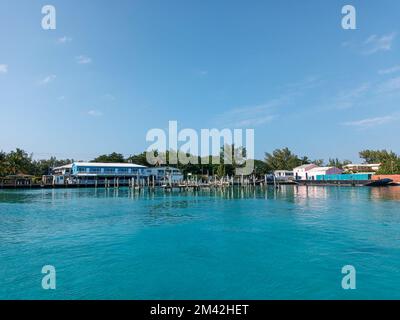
{"type": "Point", "coordinates": [354, 193]}
{"type": "Point", "coordinates": [386, 193]}
{"type": "Point", "coordinates": [303, 193]}
{"type": "Point", "coordinates": [59, 210]}
{"type": "Point", "coordinates": [300, 194]}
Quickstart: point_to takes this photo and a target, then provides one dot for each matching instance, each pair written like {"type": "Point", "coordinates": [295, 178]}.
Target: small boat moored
{"type": "Point", "coordinates": [379, 183]}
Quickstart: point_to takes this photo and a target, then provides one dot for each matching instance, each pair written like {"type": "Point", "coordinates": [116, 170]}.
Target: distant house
{"type": "Point", "coordinates": [301, 173]}
{"type": "Point", "coordinates": [323, 171]}
{"type": "Point", "coordinates": [59, 175]}
{"type": "Point", "coordinates": [284, 175]}
{"type": "Point", "coordinates": [66, 169]}
{"type": "Point", "coordinates": [165, 174]}
{"type": "Point", "coordinates": [16, 180]}
{"type": "Point", "coordinates": [352, 167]}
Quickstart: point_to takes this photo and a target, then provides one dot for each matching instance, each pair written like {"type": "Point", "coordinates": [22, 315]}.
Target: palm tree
{"type": "Point", "coordinates": [19, 162]}
{"type": "Point", "coordinates": [283, 159]}
{"type": "Point", "coordinates": [3, 164]}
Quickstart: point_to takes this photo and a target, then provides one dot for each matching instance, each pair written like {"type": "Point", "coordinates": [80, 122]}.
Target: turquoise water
{"type": "Point", "coordinates": [263, 244]}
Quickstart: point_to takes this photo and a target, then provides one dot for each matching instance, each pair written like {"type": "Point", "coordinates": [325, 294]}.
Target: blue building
{"type": "Point", "coordinates": [95, 173]}
{"type": "Point", "coordinates": [99, 173]}
{"type": "Point", "coordinates": [89, 169]}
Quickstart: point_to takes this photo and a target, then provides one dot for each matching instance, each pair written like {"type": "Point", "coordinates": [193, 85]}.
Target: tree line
{"type": "Point", "coordinates": [20, 162]}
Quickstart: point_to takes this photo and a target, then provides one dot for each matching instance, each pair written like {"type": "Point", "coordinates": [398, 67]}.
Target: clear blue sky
{"type": "Point", "coordinates": [112, 70]}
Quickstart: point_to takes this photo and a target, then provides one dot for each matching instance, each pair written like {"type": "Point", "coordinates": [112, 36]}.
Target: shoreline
{"type": "Point", "coordinates": [201, 187]}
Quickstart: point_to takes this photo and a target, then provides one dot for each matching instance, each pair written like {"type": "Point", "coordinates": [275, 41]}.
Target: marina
{"type": "Point", "coordinates": [188, 184]}
{"type": "Point", "coordinates": [115, 175]}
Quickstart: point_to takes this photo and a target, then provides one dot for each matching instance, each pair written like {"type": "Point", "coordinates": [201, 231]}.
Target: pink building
{"type": "Point", "coordinates": [323, 171]}
{"type": "Point", "coordinates": [311, 171]}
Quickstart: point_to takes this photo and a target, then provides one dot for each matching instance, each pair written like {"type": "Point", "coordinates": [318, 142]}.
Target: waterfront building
{"type": "Point", "coordinates": [90, 169]}
{"type": "Point", "coordinates": [120, 173]}
{"type": "Point", "coordinates": [323, 171]}
{"type": "Point", "coordinates": [355, 168]}
{"type": "Point", "coordinates": [164, 174]}
{"type": "Point", "coordinates": [97, 172]}
{"type": "Point", "coordinates": [63, 170]}
{"type": "Point", "coordinates": [17, 180]}
{"type": "Point", "coordinates": [301, 172]}
{"type": "Point", "coordinates": [283, 175]}
{"type": "Point", "coordinates": [60, 175]}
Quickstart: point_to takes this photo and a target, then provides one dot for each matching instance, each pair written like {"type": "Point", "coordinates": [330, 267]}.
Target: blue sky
{"type": "Point", "coordinates": [112, 70]}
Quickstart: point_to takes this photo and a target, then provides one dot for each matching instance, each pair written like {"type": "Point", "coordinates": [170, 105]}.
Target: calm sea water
{"type": "Point", "coordinates": [263, 244]}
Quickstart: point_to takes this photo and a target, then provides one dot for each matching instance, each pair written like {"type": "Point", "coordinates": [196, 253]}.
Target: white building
{"type": "Point", "coordinates": [284, 175]}
{"type": "Point", "coordinates": [165, 174]}
{"type": "Point", "coordinates": [61, 174]}
{"type": "Point", "coordinates": [352, 167]}
{"type": "Point", "coordinates": [322, 171]}
{"type": "Point", "coordinates": [66, 169]}
{"type": "Point", "coordinates": [301, 173]}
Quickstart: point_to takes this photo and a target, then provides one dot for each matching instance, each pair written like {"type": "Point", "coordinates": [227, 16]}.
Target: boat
{"type": "Point", "coordinates": [353, 183]}
{"type": "Point", "coordinates": [379, 183]}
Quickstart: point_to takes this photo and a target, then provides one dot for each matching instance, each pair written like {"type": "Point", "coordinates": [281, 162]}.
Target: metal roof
{"type": "Point", "coordinates": [110, 165]}
{"type": "Point", "coordinates": [362, 165]}
{"type": "Point", "coordinates": [304, 166]}
{"type": "Point", "coordinates": [322, 168]}
{"type": "Point", "coordinates": [67, 166]}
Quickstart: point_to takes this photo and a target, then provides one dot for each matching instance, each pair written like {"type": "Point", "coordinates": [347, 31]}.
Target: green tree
{"type": "Point", "coordinates": [390, 166]}
{"type": "Point", "coordinates": [318, 162]}
{"type": "Point", "coordinates": [283, 159]}
{"type": "Point", "coordinates": [304, 160]}
{"type": "Point", "coordinates": [377, 156]}
{"type": "Point", "coordinates": [390, 161]}
{"type": "Point", "coordinates": [139, 159]}
{"type": "Point", "coordinates": [3, 164]}
{"type": "Point", "coordinates": [44, 166]}
{"type": "Point", "coordinates": [221, 170]}
{"type": "Point", "coordinates": [261, 168]}
{"type": "Point", "coordinates": [337, 163]}
{"type": "Point", "coordinates": [110, 158]}
{"type": "Point", "coordinates": [19, 162]}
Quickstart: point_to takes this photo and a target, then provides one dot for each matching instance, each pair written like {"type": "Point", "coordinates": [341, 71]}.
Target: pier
{"type": "Point", "coordinates": [139, 183]}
